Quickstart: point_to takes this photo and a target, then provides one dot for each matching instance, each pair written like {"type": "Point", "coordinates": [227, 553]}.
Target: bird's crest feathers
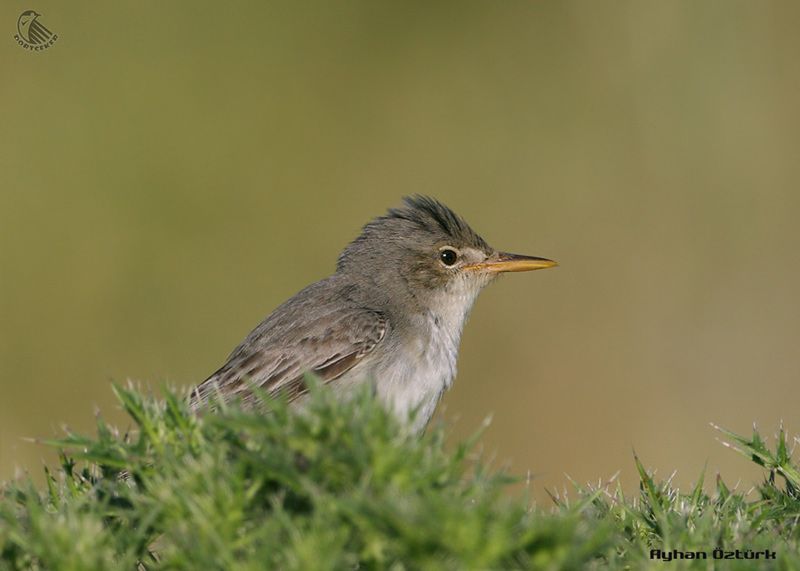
{"type": "Point", "coordinates": [422, 213]}
{"type": "Point", "coordinates": [431, 214]}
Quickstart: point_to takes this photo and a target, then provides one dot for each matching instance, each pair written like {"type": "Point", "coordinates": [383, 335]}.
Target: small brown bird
{"type": "Point", "coordinates": [391, 315]}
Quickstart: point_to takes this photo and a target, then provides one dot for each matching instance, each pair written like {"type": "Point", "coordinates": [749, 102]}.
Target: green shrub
{"type": "Point", "coordinates": [343, 486]}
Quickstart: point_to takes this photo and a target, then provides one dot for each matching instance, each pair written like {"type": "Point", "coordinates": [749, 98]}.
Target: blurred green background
{"type": "Point", "coordinates": [170, 172]}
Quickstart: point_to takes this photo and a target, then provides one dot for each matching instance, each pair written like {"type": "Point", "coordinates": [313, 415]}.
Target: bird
{"type": "Point", "coordinates": [31, 30]}
{"type": "Point", "coordinates": [391, 315]}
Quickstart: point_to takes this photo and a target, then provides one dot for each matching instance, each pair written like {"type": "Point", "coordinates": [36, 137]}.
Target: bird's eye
{"type": "Point", "coordinates": [448, 256]}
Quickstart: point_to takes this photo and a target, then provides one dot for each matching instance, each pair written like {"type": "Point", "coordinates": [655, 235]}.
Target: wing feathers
{"type": "Point", "coordinates": [328, 346]}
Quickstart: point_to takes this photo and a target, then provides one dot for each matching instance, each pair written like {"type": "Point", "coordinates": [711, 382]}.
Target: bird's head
{"type": "Point", "coordinates": [425, 251]}
{"type": "Point", "coordinates": [27, 17]}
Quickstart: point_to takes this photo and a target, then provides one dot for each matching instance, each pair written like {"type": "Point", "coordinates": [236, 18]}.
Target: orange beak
{"type": "Point", "coordinates": [505, 262]}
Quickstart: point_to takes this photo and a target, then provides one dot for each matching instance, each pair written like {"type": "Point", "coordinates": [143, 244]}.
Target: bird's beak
{"type": "Point", "coordinates": [505, 262]}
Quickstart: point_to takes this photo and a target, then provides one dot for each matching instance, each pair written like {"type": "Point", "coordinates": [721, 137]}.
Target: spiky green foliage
{"type": "Point", "coordinates": [342, 486]}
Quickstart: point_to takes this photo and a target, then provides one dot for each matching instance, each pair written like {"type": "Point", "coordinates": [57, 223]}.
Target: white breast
{"type": "Point", "coordinates": [424, 366]}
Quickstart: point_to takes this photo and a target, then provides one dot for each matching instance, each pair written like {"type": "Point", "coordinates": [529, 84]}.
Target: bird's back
{"type": "Point", "coordinates": [324, 329]}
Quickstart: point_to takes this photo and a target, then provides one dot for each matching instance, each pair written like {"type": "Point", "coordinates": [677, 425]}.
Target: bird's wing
{"type": "Point", "coordinates": [276, 356]}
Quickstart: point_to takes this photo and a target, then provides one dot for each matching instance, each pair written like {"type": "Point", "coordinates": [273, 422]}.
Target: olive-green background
{"type": "Point", "coordinates": [171, 171]}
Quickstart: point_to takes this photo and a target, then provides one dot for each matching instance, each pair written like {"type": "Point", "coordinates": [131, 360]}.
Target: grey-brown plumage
{"type": "Point", "coordinates": [391, 314]}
